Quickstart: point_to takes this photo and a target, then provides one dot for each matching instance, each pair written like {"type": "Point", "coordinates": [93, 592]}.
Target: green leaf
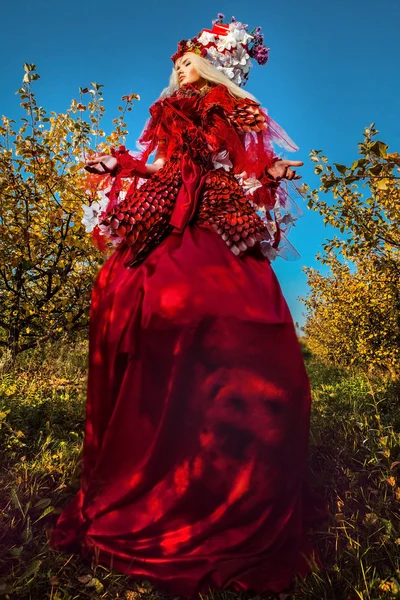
{"type": "Point", "coordinates": [44, 503]}
{"type": "Point", "coordinates": [27, 533]}
{"type": "Point", "coordinates": [46, 512]}
{"type": "Point", "coordinates": [96, 584]}
{"type": "Point", "coordinates": [31, 570]}
{"type": "Point", "coordinates": [16, 502]}
{"type": "Point", "coordinates": [16, 551]}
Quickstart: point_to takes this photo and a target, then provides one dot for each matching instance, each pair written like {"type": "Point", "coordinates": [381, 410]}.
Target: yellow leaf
{"type": "Point", "coordinates": [383, 184]}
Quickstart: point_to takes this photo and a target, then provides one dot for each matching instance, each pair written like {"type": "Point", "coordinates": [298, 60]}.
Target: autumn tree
{"type": "Point", "coordinates": [47, 259]}
{"type": "Point", "coordinates": [353, 311]}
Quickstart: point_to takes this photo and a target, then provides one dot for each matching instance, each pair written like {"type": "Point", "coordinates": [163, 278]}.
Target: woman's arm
{"type": "Point", "coordinates": [123, 164]}
{"type": "Point", "coordinates": [159, 159]}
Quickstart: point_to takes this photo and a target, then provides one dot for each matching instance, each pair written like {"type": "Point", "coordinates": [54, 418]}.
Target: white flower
{"type": "Point", "coordinates": [240, 35]}
{"type": "Point", "coordinates": [206, 38]}
{"type": "Point", "coordinates": [246, 68]}
{"type": "Point", "coordinates": [106, 231]}
{"type": "Point", "coordinates": [90, 217]}
{"type": "Point", "coordinates": [240, 176]}
{"type": "Point", "coordinates": [226, 42]}
{"type": "Point", "coordinates": [228, 71]}
{"type": "Point", "coordinates": [249, 184]}
{"type": "Point", "coordinates": [104, 200]}
{"type": "Point", "coordinates": [227, 59]}
{"type": "Point", "coordinates": [214, 56]}
{"type": "Point", "coordinates": [240, 56]}
{"type": "Point", "coordinates": [221, 160]}
{"type": "Point", "coordinates": [237, 77]}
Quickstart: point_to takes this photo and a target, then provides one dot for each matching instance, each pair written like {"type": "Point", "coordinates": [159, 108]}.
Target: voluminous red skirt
{"type": "Point", "coordinates": [197, 423]}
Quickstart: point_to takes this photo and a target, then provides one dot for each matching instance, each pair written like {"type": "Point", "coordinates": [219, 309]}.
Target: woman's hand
{"type": "Point", "coordinates": [101, 165]}
{"type": "Point", "coordinates": [281, 169]}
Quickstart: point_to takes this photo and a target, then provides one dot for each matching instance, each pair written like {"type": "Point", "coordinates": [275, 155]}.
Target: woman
{"type": "Point", "coordinates": [198, 400]}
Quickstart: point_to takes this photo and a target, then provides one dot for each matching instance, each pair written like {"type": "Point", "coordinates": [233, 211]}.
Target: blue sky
{"type": "Point", "coordinates": [333, 69]}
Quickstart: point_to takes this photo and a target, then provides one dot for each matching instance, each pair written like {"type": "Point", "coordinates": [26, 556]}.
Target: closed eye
{"type": "Point", "coordinates": [185, 64]}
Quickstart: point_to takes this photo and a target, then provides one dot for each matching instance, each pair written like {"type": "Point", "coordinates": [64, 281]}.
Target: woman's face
{"type": "Point", "coordinates": [187, 72]}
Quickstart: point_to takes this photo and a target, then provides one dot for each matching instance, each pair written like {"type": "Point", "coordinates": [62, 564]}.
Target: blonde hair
{"type": "Point", "coordinates": [211, 74]}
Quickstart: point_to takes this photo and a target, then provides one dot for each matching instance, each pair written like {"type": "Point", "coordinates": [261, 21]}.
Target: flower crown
{"type": "Point", "coordinates": [228, 47]}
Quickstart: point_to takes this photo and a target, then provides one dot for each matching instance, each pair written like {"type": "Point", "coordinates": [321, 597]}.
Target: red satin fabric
{"type": "Point", "coordinates": [197, 423]}
{"type": "Point", "coordinates": [189, 195]}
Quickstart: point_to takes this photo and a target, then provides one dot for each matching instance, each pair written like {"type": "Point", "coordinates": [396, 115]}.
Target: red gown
{"type": "Point", "coordinates": [198, 411]}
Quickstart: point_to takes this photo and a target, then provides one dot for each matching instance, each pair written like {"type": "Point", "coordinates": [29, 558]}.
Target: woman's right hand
{"type": "Point", "coordinates": [101, 165]}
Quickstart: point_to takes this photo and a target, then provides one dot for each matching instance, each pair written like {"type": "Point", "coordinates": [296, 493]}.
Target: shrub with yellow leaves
{"type": "Point", "coordinates": [47, 260]}
{"type": "Point", "coordinates": [353, 311]}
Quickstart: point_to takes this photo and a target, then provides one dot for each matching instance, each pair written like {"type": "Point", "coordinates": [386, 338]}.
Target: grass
{"type": "Point", "coordinates": [354, 460]}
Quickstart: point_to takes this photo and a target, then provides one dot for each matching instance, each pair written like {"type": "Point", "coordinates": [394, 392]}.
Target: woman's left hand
{"type": "Point", "coordinates": [281, 169]}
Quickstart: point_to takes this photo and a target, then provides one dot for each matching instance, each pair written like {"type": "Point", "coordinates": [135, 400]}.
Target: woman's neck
{"type": "Point", "coordinates": [189, 89]}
